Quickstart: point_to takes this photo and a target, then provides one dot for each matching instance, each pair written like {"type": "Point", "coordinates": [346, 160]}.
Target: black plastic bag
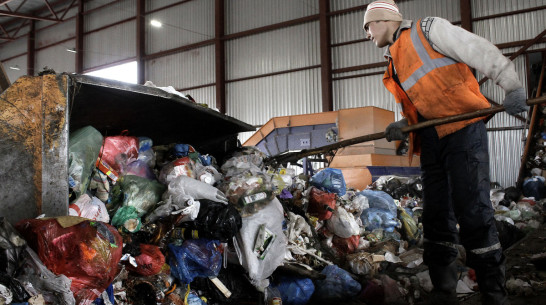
{"type": "Point", "coordinates": [216, 221]}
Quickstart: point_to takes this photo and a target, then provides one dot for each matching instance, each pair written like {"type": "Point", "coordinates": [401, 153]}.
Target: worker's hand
{"type": "Point", "coordinates": [515, 101]}
{"type": "Point", "coordinates": [394, 132]}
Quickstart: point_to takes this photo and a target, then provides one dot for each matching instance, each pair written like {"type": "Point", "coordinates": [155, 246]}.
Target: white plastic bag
{"type": "Point", "coordinates": [196, 189]}
{"type": "Point", "coordinates": [259, 270]}
{"type": "Point", "coordinates": [342, 223]}
{"type": "Point", "coordinates": [91, 208]}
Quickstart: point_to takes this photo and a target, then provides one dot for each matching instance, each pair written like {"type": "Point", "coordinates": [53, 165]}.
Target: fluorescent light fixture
{"type": "Point", "coordinates": [16, 67]}
{"type": "Point", "coordinates": [156, 23]}
{"type": "Point", "coordinates": [73, 50]}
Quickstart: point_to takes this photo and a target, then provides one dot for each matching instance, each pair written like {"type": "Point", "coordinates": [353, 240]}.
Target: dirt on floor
{"type": "Point", "coordinates": [525, 271]}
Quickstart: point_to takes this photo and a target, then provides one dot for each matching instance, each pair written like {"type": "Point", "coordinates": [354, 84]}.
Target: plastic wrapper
{"type": "Point", "coordinates": [338, 285]}
{"type": "Point", "coordinates": [196, 189]}
{"type": "Point", "coordinates": [272, 216]}
{"type": "Point", "coordinates": [83, 149]}
{"type": "Point", "coordinates": [248, 159]}
{"type": "Point", "coordinates": [90, 208]}
{"type": "Point", "coordinates": [85, 251]}
{"type": "Point", "coordinates": [295, 291]}
{"type": "Point", "coordinates": [216, 221]}
{"type": "Point", "coordinates": [12, 251]}
{"type": "Point", "coordinates": [140, 168]}
{"type": "Point", "coordinates": [380, 200]}
{"type": "Point", "coordinates": [342, 223]}
{"type": "Point", "coordinates": [5, 295]}
{"type": "Point", "coordinates": [411, 230]}
{"type": "Point", "coordinates": [188, 208]}
{"type": "Point", "coordinates": [149, 262]}
{"type": "Point", "coordinates": [330, 180]}
{"type": "Point", "coordinates": [207, 173]}
{"type": "Point", "coordinates": [141, 193]}
{"type": "Point", "coordinates": [145, 151]}
{"type": "Point", "coordinates": [248, 193]}
{"type": "Point", "coordinates": [321, 204]}
{"type": "Point", "coordinates": [34, 275]}
{"type": "Point", "coordinates": [195, 258]}
{"type": "Point", "coordinates": [11, 247]}
{"type": "Point", "coordinates": [100, 186]}
{"type": "Point", "coordinates": [118, 151]}
{"type": "Point", "coordinates": [179, 167]}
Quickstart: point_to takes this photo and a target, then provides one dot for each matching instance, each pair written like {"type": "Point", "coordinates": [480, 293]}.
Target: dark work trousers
{"type": "Point", "coordinates": [456, 186]}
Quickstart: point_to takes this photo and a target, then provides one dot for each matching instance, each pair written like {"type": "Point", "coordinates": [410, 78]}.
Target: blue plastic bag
{"type": "Point", "coordinates": [295, 291]}
{"type": "Point", "coordinates": [380, 200]}
{"type": "Point", "coordinates": [330, 180]}
{"type": "Point", "coordinates": [195, 258]}
{"type": "Point", "coordinates": [338, 285]}
{"type": "Point", "coordinates": [374, 218]}
{"type": "Point", "coordinates": [110, 292]}
{"type": "Point", "coordinates": [534, 187]}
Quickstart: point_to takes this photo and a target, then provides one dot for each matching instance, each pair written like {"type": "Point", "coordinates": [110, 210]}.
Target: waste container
{"type": "Point", "coordinates": [37, 114]}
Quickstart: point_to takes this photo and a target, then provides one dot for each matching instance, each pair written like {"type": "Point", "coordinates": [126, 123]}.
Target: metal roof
{"type": "Point", "coordinates": [14, 14]}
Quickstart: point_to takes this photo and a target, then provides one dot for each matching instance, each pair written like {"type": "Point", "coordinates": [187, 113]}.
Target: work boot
{"type": "Point", "coordinates": [491, 280]}
{"type": "Point", "coordinates": [444, 279]}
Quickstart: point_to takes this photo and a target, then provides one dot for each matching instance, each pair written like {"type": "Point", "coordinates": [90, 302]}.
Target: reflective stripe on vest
{"type": "Point", "coordinates": [429, 64]}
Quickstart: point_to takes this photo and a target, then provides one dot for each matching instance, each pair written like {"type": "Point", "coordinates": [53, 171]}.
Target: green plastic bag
{"type": "Point", "coordinates": [83, 150]}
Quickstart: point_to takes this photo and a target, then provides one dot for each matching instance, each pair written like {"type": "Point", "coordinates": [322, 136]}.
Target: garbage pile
{"type": "Point", "coordinates": [169, 225]}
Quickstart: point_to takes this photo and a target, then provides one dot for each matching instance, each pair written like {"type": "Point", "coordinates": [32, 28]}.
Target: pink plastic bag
{"type": "Point", "coordinates": [118, 151]}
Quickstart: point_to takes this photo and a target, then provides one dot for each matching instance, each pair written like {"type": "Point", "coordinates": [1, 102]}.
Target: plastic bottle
{"type": "Point", "coordinates": [273, 296]}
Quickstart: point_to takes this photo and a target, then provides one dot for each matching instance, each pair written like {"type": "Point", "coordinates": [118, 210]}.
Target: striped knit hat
{"type": "Point", "coordinates": [381, 10]}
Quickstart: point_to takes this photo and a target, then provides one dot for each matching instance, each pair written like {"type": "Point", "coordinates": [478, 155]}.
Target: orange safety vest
{"type": "Point", "coordinates": [432, 84]}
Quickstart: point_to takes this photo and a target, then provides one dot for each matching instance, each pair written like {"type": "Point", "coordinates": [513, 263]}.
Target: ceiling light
{"type": "Point", "coordinates": [156, 23]}
{"type": "Point", "coordinates": [73, 50]}
{"type": "Point", "coordinates": [16, 67]}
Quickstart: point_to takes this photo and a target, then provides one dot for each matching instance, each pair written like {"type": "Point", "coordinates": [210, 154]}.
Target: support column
{"type": "Point", "coordinates": [466, 15]}
{"type": "Point", "coordinates": [220, 55]}
{"type": "Point", "coordinates": [79, 39]}
{"type": "Point", "coordinates": [140, 41]}
{"type": "Point", "coordinates": [31, 49]}
{"type": "Point", "coordinates": [325, 56]}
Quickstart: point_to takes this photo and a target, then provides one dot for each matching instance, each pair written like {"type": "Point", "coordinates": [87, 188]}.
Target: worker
{"type": "Point", "coordinates": [429, 73]}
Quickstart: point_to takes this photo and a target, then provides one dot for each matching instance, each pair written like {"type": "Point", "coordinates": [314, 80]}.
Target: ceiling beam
{"type": "Point", "coordinates": [17, 15]}
{"type": "Point", "coordinates": [5, 2]}
{"type": "Point", "coordinates": [51, 10]}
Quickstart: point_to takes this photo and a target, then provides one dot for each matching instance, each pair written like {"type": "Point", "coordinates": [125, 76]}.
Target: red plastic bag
{"type": "Point", "coordinates": [149, 262]}
{"type": "Point", "coordinates": [118, 151]}
{"type": "Point", "coordinates": [346, 245]}
{"type": "Point", "coordinates": [85, 251]}
{"type": "Point", "coordinates": [321, 204]}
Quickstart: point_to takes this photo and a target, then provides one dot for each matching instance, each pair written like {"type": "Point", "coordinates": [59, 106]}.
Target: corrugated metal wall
{"type": "Point", "coordinates": [257, 100]}
{"type": "Point", "coordinates": [183, 24]}
{"type": "Point", "coordinates": [183, 70]}
{"type": "Point", "coordinates": [49, 57]}
{"type": "Point", "coordinates": [16, 62]}
{"type": "Point", "coordinates": [243, 15]}
{"type": "Point", "coordinates": [506, 147]}
{"type": "Point", "coordinates": [111, 43]}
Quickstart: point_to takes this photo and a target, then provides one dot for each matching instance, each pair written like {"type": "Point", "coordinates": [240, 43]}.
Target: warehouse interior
{"type": "Point", "coordinates": [273, 76]}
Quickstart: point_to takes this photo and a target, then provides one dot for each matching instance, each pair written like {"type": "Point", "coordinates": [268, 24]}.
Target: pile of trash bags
{"type": "Point", "coordinates": [166, 224]}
